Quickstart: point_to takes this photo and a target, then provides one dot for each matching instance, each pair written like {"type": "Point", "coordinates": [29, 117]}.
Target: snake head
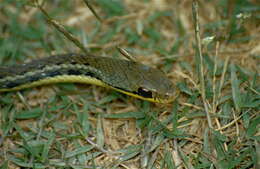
{"type": "Point", "coordinates": [153, 84]}
{"type": "Point", "coordinates": [164, 93]}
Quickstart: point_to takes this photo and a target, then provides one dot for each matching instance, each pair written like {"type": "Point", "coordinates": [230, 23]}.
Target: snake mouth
{"type": "Point", "coordinates": [167, 98]}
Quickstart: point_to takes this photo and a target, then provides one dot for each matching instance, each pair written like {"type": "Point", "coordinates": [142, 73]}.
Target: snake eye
{"type": "Point", "coordinates": [144, 92]}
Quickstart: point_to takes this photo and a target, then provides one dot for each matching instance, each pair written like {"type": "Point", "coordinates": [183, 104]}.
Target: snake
{"type": "Point", "coordinates": [126, 76]}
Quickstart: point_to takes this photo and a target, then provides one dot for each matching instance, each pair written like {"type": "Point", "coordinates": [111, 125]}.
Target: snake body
{"type": "Point", "coordinates": [129, 77]}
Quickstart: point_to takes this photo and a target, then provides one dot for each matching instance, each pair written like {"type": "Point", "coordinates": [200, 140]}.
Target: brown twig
{"type": "Point", "coordinates": [92, 10]}
{"type": "Point", "coordinates": [62, 29]}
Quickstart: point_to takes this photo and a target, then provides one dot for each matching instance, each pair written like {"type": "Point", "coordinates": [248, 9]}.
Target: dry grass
{"type": "Point", "coordinates": [50, 127]}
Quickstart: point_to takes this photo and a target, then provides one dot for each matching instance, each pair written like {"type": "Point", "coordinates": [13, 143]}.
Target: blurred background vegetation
{"type": "Point", "coordinates": [52, 127]}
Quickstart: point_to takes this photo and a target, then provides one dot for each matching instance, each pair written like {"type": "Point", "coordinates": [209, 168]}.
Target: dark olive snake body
{"type": "Point", "coordinates": [129, 77]}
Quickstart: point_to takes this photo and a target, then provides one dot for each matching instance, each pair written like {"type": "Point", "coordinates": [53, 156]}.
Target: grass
{"type": "Point", "coordinates": [58, 127]}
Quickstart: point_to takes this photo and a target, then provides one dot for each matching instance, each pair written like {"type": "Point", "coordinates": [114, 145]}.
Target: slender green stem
{"type": "Point", "coordinates": [201, 73]}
